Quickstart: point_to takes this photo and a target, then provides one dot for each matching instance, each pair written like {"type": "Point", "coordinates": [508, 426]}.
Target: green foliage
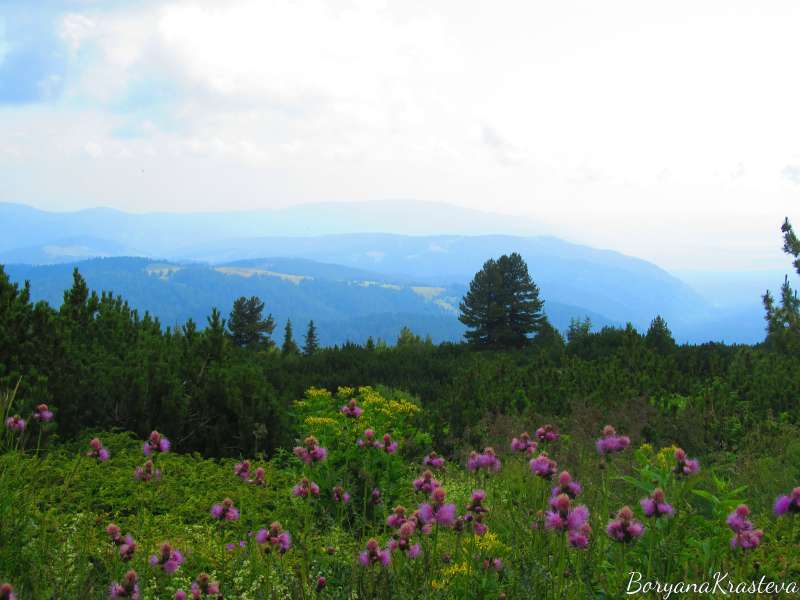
{"type": "Point", "coordinates": [783, 320]}
{"type": "Point", "coordinates": [289, 347]}
{"type": "Point", "coordinates": [57, 503]}
{"type": "Point", "coordinates": [659, 337]}
{"type": "Point", "coordinates": [248, 328]}
{"type": "Point", "coordinates": [502, 307]}
{"type": "Point", "coordinates": [311, 344]}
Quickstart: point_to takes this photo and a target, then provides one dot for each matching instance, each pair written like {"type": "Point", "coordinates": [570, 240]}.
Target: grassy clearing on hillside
{"type": "Point", "coordinates": [57, 503]}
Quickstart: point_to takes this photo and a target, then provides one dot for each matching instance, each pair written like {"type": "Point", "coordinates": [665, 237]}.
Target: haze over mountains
{"type": "Point", "coordinates": [325, 262]}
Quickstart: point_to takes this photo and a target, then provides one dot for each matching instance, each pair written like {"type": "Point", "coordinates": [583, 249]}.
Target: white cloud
{"type": "Point", "coordinates": [602, 120]}
{"type": "Point", "coordinates": [791, 173]}
{"type": "Point", "coordinates": [75, 30]}
{"type": "Point", "coordinates": [5, 47]}
{"type": "Point", "coordinates": [504, 151]}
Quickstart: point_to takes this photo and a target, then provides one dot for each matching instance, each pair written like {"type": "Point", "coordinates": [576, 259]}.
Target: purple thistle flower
{"type": "Point", "coordinates": [523, 443]}
{"type": "Point", "coordinates": [387, 445]}
{"type": "Point", "coordinates": [374, 555]}
{"type": "Point", "coordinates": [155, 443]}
{"type": "Point", "coordinates": [547, 433]}
{"type": "Point", "coordinates": [242, 470]}
{"type": "Point", "coordinates": [495, 564]}
{"type": "Point", "coordinates": [321, 583]}
{"type": "Point", "coordinates": [788, 504]}
{"type": "Point", "coordinates": [375, 497]}
{"type": "Point", "coordinates": [367, 439]}
{"type": "Point", "coordinates": [746, 536]}
{"type": "Point", "coordinates": [402, 539]}
{"type": "Point", "coordinates": [397, 518]}
{"type": "Point", "coordinates": [311, 451]}
{"type": "Point", "coordinates": [438, 511]}
{"type": "Point", "coordinates": [225, 511]}
{"type": "Point", "coordinates": [738, 520]}
{"type": "Point", "coordinates": [180, 595]}
{"type": "Point", "coordinates": [114, 532]}
{"type": "Point", "coordinates": [147, 472]}
{"type": "Point", "coordinates": [567, 485]}
{"type": "Point", "coordinates": [611, 442]}
{"type": "Point", "coordinates": [685, 466]}
{"type": "Point", "coordinates": [127, 548]}
{"type": "Point", "coordinates": [486, 460]}
{"type": "Point", "coordinates": [42, 413]}
{"type": "Point", "coordinates": [579, 537]}
{"type": "Point", "coordinates": [477, 512]}
{"type": "Point", "coordinates": [129, 588]}
{"type": "Point", "coordinates": [543, 466]}
{"type": "Point", "coordinates": [339, 494]}
{"type": "Point", "coordinates": [203, 586]}
{"type": "Point", "coordinates": [433, 460]}
{"type": "Point", "coordinates": [15, 423]}
{"type": "Point", "coordinates": [425, 483]}
{"type": "Point", "coordinates": [352, 409]}
{"type": "Point", "coordinates": [7, 592]}
{"type": "Point", "coordinates": [305, 488]}
{"type": "Point", "coordinates": [624, 528]}
{"type": "Point", "coordinates": [274, 538]}
{"type": "Point", "coordinates": [656, 506]}
{"type": "Point", "coordinates": [563, 516]}
{"type": "Point", "coordinates": [168, 559]}
{"type": "Point", "coordinates": [259, 478]}
{"type": "Point", "coordinates": [747, 539]}
{"type": "Point", "coordinates": [97, 451]}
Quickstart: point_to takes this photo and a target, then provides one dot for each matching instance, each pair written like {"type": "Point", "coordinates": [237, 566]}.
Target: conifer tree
{"type": "Point", "coordinates": [289, 346]}
{"type": "Point", "coordinates": [311, 343]}
{"type": "Point", "coordinates": [215, 335]}
{"type": "Point", "coordinates": [247, 327]}
{"type": "Point", "coordinates": [783, 320]}
{"type": "Point", "coordinates": [502, 307]}
{"type": "Point", "coordinates": [659, 337]}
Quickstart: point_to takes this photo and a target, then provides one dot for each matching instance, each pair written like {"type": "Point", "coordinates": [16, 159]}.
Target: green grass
{"type": "Point", "coordinates": [55, 506]}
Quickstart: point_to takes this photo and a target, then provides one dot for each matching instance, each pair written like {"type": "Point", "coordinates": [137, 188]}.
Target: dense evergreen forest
{"type": "Point", "coordinates": [105, 366]}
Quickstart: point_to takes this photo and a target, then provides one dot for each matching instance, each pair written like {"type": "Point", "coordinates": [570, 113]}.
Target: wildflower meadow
{"type": "Point", "coordinates": [365, 507]}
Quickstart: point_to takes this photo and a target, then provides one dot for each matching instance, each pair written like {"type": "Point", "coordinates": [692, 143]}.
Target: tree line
{"type": "Point", "coordinates": [227, 388]}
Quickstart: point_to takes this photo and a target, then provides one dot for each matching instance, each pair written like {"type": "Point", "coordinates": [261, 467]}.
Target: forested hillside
{"type": "Point", "coordinates": [701, 440]}
{"type": "Point", "coordinates": [347, 304]}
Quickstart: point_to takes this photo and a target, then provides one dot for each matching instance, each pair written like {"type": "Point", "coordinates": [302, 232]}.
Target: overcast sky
{"type": "Point", "coordinates": [668, 130]}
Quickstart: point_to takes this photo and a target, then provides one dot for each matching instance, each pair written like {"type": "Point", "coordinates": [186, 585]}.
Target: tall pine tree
{"type": "Point", "coordinates": [659, 337]}
{"type": "Point", "coordinates": [502, 307]}
{"type": "Point", "coordinates": [289, 346]}
{"type": "Point", "coordinates": [783, 320]}
{"type": "Point", "coordinates": [311, 343]}
{"type": "Point", "coordinates": [247, 327]}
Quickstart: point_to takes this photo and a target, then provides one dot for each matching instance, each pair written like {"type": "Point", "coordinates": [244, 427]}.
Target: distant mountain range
{"type": "Point", "coordinates": [164, 234]}
{"type": "Point", "coordinates": [321, 265]}
{"type": "Point", "coordinates": [346, 304]}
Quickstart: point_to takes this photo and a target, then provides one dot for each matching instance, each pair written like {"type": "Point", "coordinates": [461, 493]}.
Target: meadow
{"type": "Point", "coordinates": [364, 507]}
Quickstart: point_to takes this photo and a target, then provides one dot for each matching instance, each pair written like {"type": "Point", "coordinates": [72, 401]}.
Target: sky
{"type": "Point", "coordinates": [665, 130]}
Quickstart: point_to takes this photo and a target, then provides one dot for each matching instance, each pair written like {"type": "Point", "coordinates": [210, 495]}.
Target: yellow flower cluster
{"type": "Point", "coordinates": [374, 400]}
{"type": "Point", "coordinates": [456, 569]}
{"type": "Point", "coordinates": [344, 392]}
{"type": "Point", "coordinates": [666, 457]}
{"type": "Point", "coordinates": [313, 421]}
{"type": "Point", "coordinates": [450, 572]}
{"type": "Point", "coordinates": [313, 393]}
{"type": "Point", "coordinates": [488, 543]}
